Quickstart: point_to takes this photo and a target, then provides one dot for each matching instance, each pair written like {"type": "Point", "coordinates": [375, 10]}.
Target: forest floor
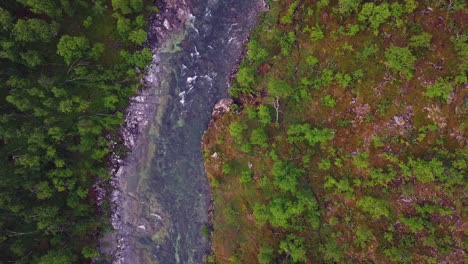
{"type": "Point", "coordinates": [367, 158]}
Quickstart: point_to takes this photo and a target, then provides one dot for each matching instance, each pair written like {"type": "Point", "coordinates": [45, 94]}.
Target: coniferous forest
{"type": "Point", "coordinates": [68, 68]}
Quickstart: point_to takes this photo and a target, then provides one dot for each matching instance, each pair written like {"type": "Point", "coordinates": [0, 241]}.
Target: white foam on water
{"type": "Point", "coordinates": [182, 97]}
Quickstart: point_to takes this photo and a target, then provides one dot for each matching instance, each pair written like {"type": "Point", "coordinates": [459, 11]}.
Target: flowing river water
{"type": "Point", "coordinates": [162, 199]}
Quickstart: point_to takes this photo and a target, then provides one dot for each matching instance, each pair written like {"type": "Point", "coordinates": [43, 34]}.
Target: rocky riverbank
{"type": "Point", "coordinates": [170, 20]}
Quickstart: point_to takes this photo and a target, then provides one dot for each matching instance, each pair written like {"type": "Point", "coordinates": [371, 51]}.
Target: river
{"type": "Point", "coordinates": [162, 199]}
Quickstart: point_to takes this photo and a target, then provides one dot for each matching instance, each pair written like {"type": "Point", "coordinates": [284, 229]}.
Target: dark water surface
{"type": "Point", "coordinates": [169, 188]}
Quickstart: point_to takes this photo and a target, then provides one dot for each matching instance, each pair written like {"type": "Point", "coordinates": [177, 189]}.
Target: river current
{"type": "Point", "coordinates": [165, 197]}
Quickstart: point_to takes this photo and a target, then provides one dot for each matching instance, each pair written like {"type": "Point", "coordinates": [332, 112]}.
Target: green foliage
{"type": "Point", "coordinates": [343, 186]}
{"type": "Point", "coordinates": [348, 6]}
{"type": "Point", "coordinates": [128, 6]}
{"type": "Point", "coordinates": [376, 15]}
{"type": "Point", "coordinates": [294, 246]}
{"type": "Point", "coordinates": [236, 130]}
{"type": "Point", "coordinates": [226, 169]}
{"type": "Point", "coordinates": [124, 25]}
{"type": "Point", "coordinates": [428, 209]}
{"type": "Point", "coordinates": [49, 8]}
{"type": "Point", "coordinates": [286, 176]}
{"type": "Point", "coordinates": [255, 52]}
{"type": "Point", "coordinates": [260, 213]}
{"type": "Point", "coordinates": [139, 58]}
{"type": "Point", "coordinates": [264, 115]}
{"type": "Point", "coordinates": [361, 160]}
{"type": "Point", "coordinates": [344, 80]}
{"type": "Point", "coordinates": [284, 212]}
{"type": "Point", "coordinates": [312, 61]}
{"type": "Point", "coordinates": [363, 236]}
{"type": "Point", "coordinates": [246, 177]}
{"type": "Point", "coordinates": [287, 18]}
{"type": "Point", "coordinates": [379, 177]}
{"type": "Point", "coordinates": [89, 252]}
{"type": "Point", "coordinates": [400, 60]}
{"type": "Point", "coordinates": [31, 30]}
{"type": "Point", "coordinates": [88, 22]}
{"type": "Point", "coordinates": [5, 19]}
{"type": "Point", "coordinates": [316, 33]}
{"type": "Point", "coordinates": [246, 148]}
{"type": "Point", "coordinates": [245, 77]}
{"type": "Point", "coordinates": [375, 207]}
{"type": "Point", "coordinates": [259, 137]}
{"type": "Point", "coordinates": [421, 41]}
{"type": "Point", "coordinates": [138, 36]}
{"type": "Point", "coordinates": [62, 100]}
{"type": "Point", "coordinates": [352, 29]}
{"type": "Point", "coordinates": [410, 6]}
{"type": "Point", "coordinates": [347, 194]}
{"type": "Point", "coordinates": [57, 257]}
{"type": "Point", "coordinates": [328, 101]}
{"type": "Point", "coordinates": [441, 89]}
{"type": "Point", "coordinates": [322, 3]}
{"type": "Point", "coordinates": [332, 252]}
{"type": "Point", "coordinates": [325, 164]}
{"type": "Point", "coordinates": [312, 136]}
{"type": "Point", "coordinates": [265, 254]}
{"type": "Point", "coordinates": [279, 88]}
{"type": "Point", "coordinates": [72, 48]}
{"type": "Point", "coordinates": [415, 224]}
{"type": "Point", "coordinates": [426, 171]}
{"type": "Point", "coordinates": [234, 259]}
{"type": "Point", "coordinates": [286, 42]}
{"type": "Point", "coordinates": [369, 50]}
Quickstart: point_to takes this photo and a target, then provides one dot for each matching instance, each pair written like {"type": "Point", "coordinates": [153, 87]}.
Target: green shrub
{"type": "Point", "coordinates": [287, 18]}
{"type": "Point", "coordinates": [264, 115]}
{"type": "Point", "coordinates": [361, 160]}
{"type": "Point", "coordinates": [415, 224]}
{"type": "Point", "coordinates": [286, 42]}
{"type": "Point", "coordinates": [343, 79]}
{"type": "Point", "coordinates": [279, 88]}
{"type": "Point", "coordinates": [311, 61]}
{"type": "Point", "coordinates": [72, 48]}
{"type": "Point", "coordinates": [328, 101]}
{"type": "Point", "coordinates": [421, 41]}
{"type": "Point", "coordinates": [426, 171]}
{"type": "Point", "coordinates": [256, 52]}
{"type": "Point", "coordinates": [245, 76]}
{"type": "Point", "coordinates": [265, 254]}
{"type": "Point", "coordinates": [236, 129]}
{"type": "Point", "coordinates": [138, 36]}
{"type": "Point", "coordinates": [316, 33]}
{"type": "Point", "coordinates": [226, 169]}
{"type": "Point", "coordinates": [348, 6]}
{"type": "Point", "coordinates": [295, 247]}
{"type": "Point", "coordinates": [441, 89]}
{"type": "Point", "coordinates": [259, 137]}
{"type": "Point", "coordinates": [375, 14]}
{"type": "Point", "coordinates": [246, 177]}
{"type": "Point", "coordinates": [375, 207]}
{"type": "Point", "coordinates": [246, 148]}
{"type": "Point", "coordinates": [128, 6]}
{"type": "Point", "coordinates": [363, 236]}
{"type": "Point", "coordinates": [400, 60]}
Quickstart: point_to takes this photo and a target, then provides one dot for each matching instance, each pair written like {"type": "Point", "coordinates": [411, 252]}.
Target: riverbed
{"type": "Point", "coordinates": [162, 197]}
